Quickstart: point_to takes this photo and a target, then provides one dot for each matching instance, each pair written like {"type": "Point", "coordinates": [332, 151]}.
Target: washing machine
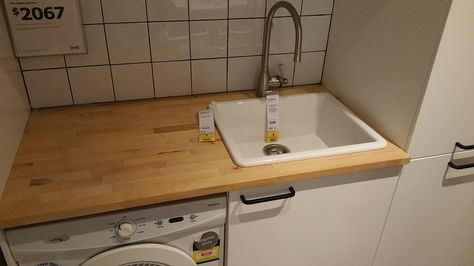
{"type": "Point", "coordinates": [180, 234]}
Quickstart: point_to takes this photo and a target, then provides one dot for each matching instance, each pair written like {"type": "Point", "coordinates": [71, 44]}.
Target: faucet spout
{"type": "Point", "coordinates": [265, 81]}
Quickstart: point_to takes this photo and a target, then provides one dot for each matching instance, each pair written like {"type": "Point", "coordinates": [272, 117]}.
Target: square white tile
{"type": "Point", "coordinates": [208, 9]}
{"type": "Point", "coordinates": [243, 73]}
{"type": "Point", "coordinates": [91, 11]}
{"type": "Point", "coordinates": [246, 8]}
{"type": "Point", "coordinates": [316, 7]}
{"type": "Point", "coordinates": [245, 37]}
{"type": "Point", "coordinates": [283, 12]}
{"type": "Point", "coordinates": [163, 10]}
{"type": "Point", "coordinates": [283, 36]}
{"type": "Point", "coordinates": [282, 65]}
{"type": "Point", "coordinates": [133, 81]}
{"type": "Point", "coordinates": [91, 84]}
{"type": "Point", "coordinates": [128, 43]}
{"type": "Point", "coordinates": [169, 40]}
{"type": "Point", "coordinates": [124, 10]}
{"type": "Point", "coordinates": [96, 48]}
{"type": "Point", "coordinates": [172, 78]}
{"type": "Point", "coordinates": [310, 69]}
{"type": "Point", "coordinates": [208, 39]}
{"type": "Point", "coordinates": [48, 88]}
{"type": "Point", "coordinates": [209, 76]}
{"type": "Point", "coordinates": [315, 32]}
{"type": "Point", "coordinates": [42, 62]}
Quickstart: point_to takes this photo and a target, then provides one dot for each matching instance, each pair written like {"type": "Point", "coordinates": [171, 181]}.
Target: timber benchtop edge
{"type": "Point", "coordinates": [89, 159]}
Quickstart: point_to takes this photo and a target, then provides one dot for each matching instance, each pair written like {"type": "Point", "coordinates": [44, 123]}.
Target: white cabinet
{"type": "Point", "coordinates": [427, 213]}
{"type": "Point", "coordinates": [330, 221]}
{"type": "Point", "coordinates": [447, 112]}
{"type": "Point", "coordinates": [463, 251]}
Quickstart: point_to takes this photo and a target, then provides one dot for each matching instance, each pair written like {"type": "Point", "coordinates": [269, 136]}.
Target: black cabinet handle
{"type": "Point", "coordinates": [460, 166]}
{"type": "Point", "coordinates": [464, 147]}
{"type": "Point", "coordinates": [270, 198]}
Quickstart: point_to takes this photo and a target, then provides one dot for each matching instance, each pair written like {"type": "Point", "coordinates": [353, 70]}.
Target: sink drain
{"type": "Point", "coordinates": [275, 149]}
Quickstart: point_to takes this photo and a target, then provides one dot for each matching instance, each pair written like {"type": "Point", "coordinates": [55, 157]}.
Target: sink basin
{"type": "Point", "coordinates": [311, 125]}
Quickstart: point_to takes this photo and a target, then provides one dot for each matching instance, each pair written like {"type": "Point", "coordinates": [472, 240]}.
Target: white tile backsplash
{"type": "Point", "coordinates": [96, 46]}
{"type": "Point", "coordinates": [164, 10]}
{"type": "Point", "coordinates": [128, 43]}
{"type": "Point", "coordinates": [317, 7]}
{"type": "Point", "coordinates": [169, 40]}
{"type": "Point", "coordinates": [42, 62]}
{"type": "Point", "coordinates": [172, 78]}
{"type": "Point", "coordinates": [91, 11]}
{"type": "Point", "coordinates": [208, 39]}
{"type": "Point", "coordinates": [162, 48]}
{"type": "Point", "coordinates": [207, 9]}
{"type": "Point", "coordinates": [209, 76]}
{"type": "Point", "coordinates": [91, 84]}
{"type": "Point", "coordinates": [284, 12]}
{"type": "Point", "coordinates": [309, 70]}
{"type": "Point", "coordinates": [133, 81]}
{"type": "Point", "coordinates": [124, 10]}
{"type": "Point", "coordinates": [283, 36]}
{"type": "Point", "coordinates": [48, 88]}
{"type": "Point", "coordinates": [243, 73]}
{"type": "Point", "coordinates": [245, 37]}
{"type": "Point", "coordinates": [246, 8]}
{"type": "Point", "coordinates": [315, 32]}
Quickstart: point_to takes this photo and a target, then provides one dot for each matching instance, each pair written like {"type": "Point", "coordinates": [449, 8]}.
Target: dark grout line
{"type": "Point", "coordinates": [24, 82]}
{"type": "Point", "coordinates": [190, 51]}
{"type": "Point", "coordinates": [327, 41]}
{"type": "Point", "coordinates": [150, 50]}
{"type": "Point", "coordinates": [167, 61]}
{"type": "Point", "coordinates": [108, 52]}
{"type": "Point", "coordinates": [68, 80]}
{"type": "Point", "coordinates": [227, 51]}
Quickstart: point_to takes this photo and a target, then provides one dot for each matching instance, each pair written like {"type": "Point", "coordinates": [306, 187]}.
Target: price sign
{"type": "Point", "coordinates": [45, 27]}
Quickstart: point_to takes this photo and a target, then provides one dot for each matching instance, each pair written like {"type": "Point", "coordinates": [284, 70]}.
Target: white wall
{"type": "Point", "coordinates": [379, 59]}
{"type": "Point", "coordinates": [14, 106]}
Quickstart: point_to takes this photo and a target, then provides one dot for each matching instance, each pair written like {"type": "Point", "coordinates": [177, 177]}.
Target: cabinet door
{"type": "Point", "coordinates": [463, 251]}
{"type": "Point", "coordinates": [330, 221]}
{"type": "Point", "coordinates": [427, 212]}
{"type": "Point", "coordinates": [447, 111]}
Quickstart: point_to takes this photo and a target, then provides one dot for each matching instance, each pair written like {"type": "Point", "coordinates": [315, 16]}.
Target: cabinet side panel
{"type": "Point", "coordinates": [425, 216]}
{"type": "Point", "coordinates": [446, 114]}
{"type": "Point", "coordinates": [379, 57]}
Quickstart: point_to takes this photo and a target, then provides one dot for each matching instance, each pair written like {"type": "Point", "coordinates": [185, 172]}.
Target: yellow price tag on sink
{"type": "Point", "coordinates": [273, 136]}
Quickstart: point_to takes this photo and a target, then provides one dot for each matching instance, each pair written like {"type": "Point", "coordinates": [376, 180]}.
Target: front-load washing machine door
{"type": "Point", "coordinates": [148, 254]}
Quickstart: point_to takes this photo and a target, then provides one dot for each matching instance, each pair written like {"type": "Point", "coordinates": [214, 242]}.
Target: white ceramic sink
{"type": "Point", "coordinates": [311, 125]}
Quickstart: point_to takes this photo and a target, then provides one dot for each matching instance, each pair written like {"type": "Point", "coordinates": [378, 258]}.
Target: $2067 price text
{"type": "Point", "coordinates": [38, 13]}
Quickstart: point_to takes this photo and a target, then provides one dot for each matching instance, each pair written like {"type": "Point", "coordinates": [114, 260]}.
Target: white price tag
{"type": "Point", "coordinates": [206, 126]}
{"type": "Point", "coordinates": [45, 27]}
{"type": "Point", "coordinates": [273, 118]}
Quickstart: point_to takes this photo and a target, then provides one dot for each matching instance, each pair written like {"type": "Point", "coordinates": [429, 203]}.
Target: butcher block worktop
{"type": "Point", "coordinates": [82, 160]}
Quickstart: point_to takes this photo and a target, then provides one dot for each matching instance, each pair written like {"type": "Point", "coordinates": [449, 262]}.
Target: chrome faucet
{"type": "Point", "coordinates": [265, 81]}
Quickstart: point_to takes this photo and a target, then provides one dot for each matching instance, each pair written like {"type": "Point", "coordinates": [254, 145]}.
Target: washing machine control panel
{"type": "Point", "coordinates": [125, 228]}
{"type": "Point", "coordinates": [143, 224]}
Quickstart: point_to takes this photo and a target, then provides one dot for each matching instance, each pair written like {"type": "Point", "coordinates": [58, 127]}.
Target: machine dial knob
{"type": "Point", "coordinates": [125, 229]}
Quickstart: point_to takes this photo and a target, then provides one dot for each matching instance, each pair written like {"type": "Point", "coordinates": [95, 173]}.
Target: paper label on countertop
{"type": "Point", "coordinates": [206, 126]}
{"type": "Point", "coordinates": [273, 118]}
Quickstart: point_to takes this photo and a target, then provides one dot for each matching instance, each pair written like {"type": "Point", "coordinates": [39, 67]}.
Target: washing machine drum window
{"type": "Point", "coordinates": [142, 255]}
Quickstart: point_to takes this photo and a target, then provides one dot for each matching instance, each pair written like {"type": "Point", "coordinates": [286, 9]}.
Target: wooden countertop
{"type": "Point", "coordinates": [82, 160]}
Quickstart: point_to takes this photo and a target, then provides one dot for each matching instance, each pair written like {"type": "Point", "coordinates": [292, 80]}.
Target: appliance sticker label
{"type": "Point", "coordinates": [207, 248]}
